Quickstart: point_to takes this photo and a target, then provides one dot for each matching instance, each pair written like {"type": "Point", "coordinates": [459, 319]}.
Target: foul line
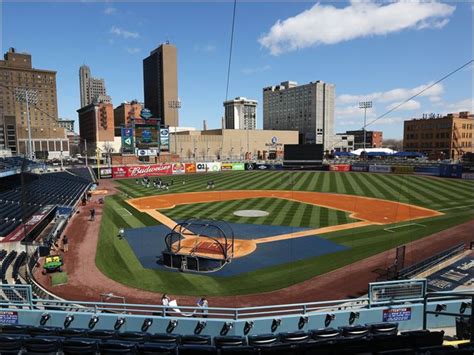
{"type": "Point", "coordinates": [453, 208]}
{"type": "Point", "coordinates": [403, 225]}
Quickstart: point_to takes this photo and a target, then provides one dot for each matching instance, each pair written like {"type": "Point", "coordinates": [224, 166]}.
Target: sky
{"type": "Point", "coordinates": [379, 51]}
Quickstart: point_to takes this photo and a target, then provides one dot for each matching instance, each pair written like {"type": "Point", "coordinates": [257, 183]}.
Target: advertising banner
{"type": "Point", "coordinates": [359, 168]}
{"type": "Point", "coordinates": [402, 169]}
{"type": "Point", "coordinates": [119, 172]}
{"type": "Point", "coordinates": [213, 167]}
{"type": "Point", "coordinates": [105, 173]}
{"type": "Point", "coordinates": [340, 167]}
{"type": "Point", "coordinates": [268, 167]}
{"type": "Point", "coordinates": [380, 168]}
{"type": "Point", "coordinates": [147, 152]}
{"type": "Point", "coordinates": [201, 167]}
{"type": "Point", "coordinates": [164, 140]}
{"type": "Point", "coordinates": [249, 166]}
{"type": "Point", "coordinates": [150, 170]}
{"type": "Point", "coordinates": [426, 170]}
{"type": "Point", "coordinates": [8, 317]}
{"type": "Point", "coordinates": [396, 314]}
{"type": "Point", "coordinates": [238, 166]}
{"type": "Point", "coordinates": [226, 166]}
{"type": "Point", "coordinates": [190, 168]}
{"type": "Point", "coordinates": [468, 176]}
{"type": "Point", "coordinates": [127, 140]}
{"type": "Point", "coordinates": [178, 168]}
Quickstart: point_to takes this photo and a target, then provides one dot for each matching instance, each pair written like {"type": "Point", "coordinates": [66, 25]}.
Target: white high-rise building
{"type": "Point", "coordinates": [308, 109]}
{"type": "Point", "coordinates": [240, 113]}
{"type": "Point", "coordinates": [92, 89]}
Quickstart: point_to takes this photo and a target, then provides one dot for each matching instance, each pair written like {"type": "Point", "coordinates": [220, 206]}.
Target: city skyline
{"type": "Point", "coordinates": [397, 61]}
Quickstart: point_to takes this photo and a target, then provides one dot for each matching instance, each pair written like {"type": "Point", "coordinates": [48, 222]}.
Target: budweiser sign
{"type": "Point", "coordinates": [150, 170]}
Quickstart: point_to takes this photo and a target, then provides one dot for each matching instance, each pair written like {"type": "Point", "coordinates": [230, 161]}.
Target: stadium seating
{"type": "Point", "coordinates": [49, 340]}
{"type": "Point", "coordinates": [63, 189]}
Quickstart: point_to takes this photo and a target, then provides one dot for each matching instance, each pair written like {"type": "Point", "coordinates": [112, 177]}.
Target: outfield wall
{"type": "Point", "coordinates": [163, 169]}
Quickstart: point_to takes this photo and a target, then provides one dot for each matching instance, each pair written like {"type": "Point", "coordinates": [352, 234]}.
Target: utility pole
{"type": "Point", "coordinates": [28, 96]}
{"type": "Point", "coordinates": [85, 148]}
{"type": "Point", "coordinates": [365, 105]}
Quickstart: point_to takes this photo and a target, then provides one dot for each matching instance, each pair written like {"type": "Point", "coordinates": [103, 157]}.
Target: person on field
{"type": "Point", "coordinates": [65, 244]}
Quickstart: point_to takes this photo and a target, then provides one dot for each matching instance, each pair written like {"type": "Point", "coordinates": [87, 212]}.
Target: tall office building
{"type": "Point", "coordinates": [18, 77]}
{"type": "Point", "coordinates": [308, 109]}
{"type": "Point", "coordinates": [92, 89]}
{"type": "Point", "coordinates": [160, 83]}
{"type": "Point", "coordinates": [240, 113]}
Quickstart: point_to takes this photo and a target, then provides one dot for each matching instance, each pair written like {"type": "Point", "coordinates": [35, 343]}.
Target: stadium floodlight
{"type": "Point", "coordinates": [29, 97]}
{"type": "Point", "coordinates": [365, 105]}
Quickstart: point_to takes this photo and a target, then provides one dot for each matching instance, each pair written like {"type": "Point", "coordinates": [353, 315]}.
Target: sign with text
{"type": "Point", "coordinates": [340, 167]}
{"type": "Point", "coordinates": [105, 173]}
{"type": "Point", "coordinates": [178, 168]}
{"type": "Point", "coordinates": [8, 317]}
{"type": "Point", "coordinates": [380, 168]}
{"type": "Point", "coordinates": [127, 140]}
{"type": "Point", "coordinates": [164, 140]}
{"type": "Point", "coordinates": [190, 168]}
{"type": "Point", "coordinates": [201, 167]}
{"type": "Point", "coordinates": [397, 314]}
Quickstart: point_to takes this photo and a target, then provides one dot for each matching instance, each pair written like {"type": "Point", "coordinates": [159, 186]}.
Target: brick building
{"type": "Point", "coordinates": [440, 137]}
{"type": "Point", "coordinates": [96, 125]}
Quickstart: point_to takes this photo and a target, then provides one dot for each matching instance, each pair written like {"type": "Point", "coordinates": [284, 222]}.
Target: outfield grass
{"type": "Point", "coordinates": [116, 259]}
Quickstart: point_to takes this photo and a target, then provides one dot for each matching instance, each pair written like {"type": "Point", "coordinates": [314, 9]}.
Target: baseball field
{"type": "Point", "coordinates": [327, 220]}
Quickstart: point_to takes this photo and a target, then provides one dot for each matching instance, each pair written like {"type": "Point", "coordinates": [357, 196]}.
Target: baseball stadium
{"type": "Point", "coordinates": [217, 258]}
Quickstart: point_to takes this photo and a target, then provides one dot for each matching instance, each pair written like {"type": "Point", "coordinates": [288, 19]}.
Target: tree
{"type": "Point", "coordinates": [395, 144]}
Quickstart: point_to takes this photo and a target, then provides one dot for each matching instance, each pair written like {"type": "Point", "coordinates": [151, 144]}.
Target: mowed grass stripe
{"type": "Point", "coordinates": [368, 190]}
{"type": "Point", "coordinates": [351, 187]}
{"type": "Point", "coordinates": [390, 192]}
{"type": "Point", "coordinates": [326, 182]}
{"type": "Point", "coordinates": [305, 182]}
{"type": "Point", "coordinates": [341, 185]}
{"type": "Point", "coordinates": [333, 186]}
{"type": "Point", "coordinates": [442, 185]}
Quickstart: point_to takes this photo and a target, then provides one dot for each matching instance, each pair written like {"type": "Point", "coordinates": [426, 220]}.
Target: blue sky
{"type": "Point", "coordinates": [379, 51]}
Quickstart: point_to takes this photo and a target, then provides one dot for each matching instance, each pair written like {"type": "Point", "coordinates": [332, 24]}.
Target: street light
{"type": "Point", "coordinates": [365, 105]}
{"type": "Point", "coordinates": [28, 96]}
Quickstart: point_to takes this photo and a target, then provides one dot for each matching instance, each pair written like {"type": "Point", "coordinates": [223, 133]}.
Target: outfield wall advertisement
{"type": "Point", "coordinates": [142, 170]}
{"type": "Point", "coordinates": [402, 169]}
{"type": "Point", "coordinates": [380, 168]}
{"type": "Point", "coordinates": [340, 167]}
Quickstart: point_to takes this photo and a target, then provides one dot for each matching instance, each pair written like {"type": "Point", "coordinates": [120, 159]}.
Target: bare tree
{"type": "Point", "coordinates": [395, 144]}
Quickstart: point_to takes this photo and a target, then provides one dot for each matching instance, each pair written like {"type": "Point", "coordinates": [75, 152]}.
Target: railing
{"type": "Point", "coordinates": [429, 262]}
{"type": "Point", "coordinates": [393, 291]}
{"type": "Point", "coordinates": [441, 309]}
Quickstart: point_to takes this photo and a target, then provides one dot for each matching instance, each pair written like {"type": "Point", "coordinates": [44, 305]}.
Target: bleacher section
{"type": "Point", "coordinates": [370, 339]}
{"type": "Point", "coordinates": [85, 173]}
{"type": "Point", "coordinates": [63, 189]}
{"type": "Point", "coordinates": [12, 165]}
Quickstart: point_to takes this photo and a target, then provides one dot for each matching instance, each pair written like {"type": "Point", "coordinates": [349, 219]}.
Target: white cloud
{"type": "Point", "coordinates": [435, 99]}
{"type": "Point", "coordinates": [407, 106]}
{"type": "Point", "coordinates": [398, 94]}
{"type": "Point", "coordinates": [110, 10]}
{"type": "Point", "coordinates": [250, 71]}
{"type": "Point", "coordinates": [326, 24]}
{"type": "Point", "coordinates": [132, 50]}
{"type": "Point", "coordinates": [463, 105]}
{"type": "Point", "coordinates": [123, 33]}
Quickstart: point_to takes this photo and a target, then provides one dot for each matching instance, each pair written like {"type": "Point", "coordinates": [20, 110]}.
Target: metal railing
{"type": "Point", "coordinates": [440, 309]}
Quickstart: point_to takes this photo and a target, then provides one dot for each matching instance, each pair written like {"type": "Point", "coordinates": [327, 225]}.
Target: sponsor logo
{"type": "Point", "coordinates": [261, 167]}
{"type": "Point", "coordinates": [148, 170]}
{"type": "Point", "coordinates": [274, 140]}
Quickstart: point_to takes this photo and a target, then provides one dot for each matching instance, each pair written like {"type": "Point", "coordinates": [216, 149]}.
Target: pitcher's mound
{"type": "Point", "coordinates": [251, 213]}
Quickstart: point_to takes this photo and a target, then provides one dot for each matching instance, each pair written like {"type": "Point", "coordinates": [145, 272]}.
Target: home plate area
{"type": "Point", "coordinates": [148, 243]}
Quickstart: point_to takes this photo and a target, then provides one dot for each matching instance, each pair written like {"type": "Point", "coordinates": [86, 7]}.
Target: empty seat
{"type": "Point", "coordinates": [165, 338]}
{"type": "Point", "coordinates": [14, 329]}
{"type": "Point", "coordinates": [155, 348]}
{"type": "Point", "coordinates": [232, 350]}
{"type": "Point", "coordinates": [101, 334]}
{"type": "Point", "coordinates": [72, 333]}
{"type": "Point", "coordinates": [117, 347]}
{"type": "Point", "coordinates": [73, 346]}
{"type": "Point", "coordinates": [279, 349]}
{"type": "Point", "coordinates": [324, 334]}
{"type": "Point", "coordinates": [133, 336]}
{"type": "Point", "coordinates": [51, 331]}
{"type": "Point", "coordinates": [10, 343]}
{"type": "Point", "coordinates": [263, 339]}
{"type": "Point", "coordinates": [196, 340]}
{"type": "Point", "coordinates": [42, 345]}
{"type": "Point", "coordinates": [354, 331]}
{"type": "Point", "coordinates": [423, 338]}
{"type": "Point", "coordinates": [194, 349]}
{"type": "Point", "coordinates": [383, 328]}
{"type": "Point", "coordinates": [229, 340]}
{"type": "Point", "coordinates": [294, 337]}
